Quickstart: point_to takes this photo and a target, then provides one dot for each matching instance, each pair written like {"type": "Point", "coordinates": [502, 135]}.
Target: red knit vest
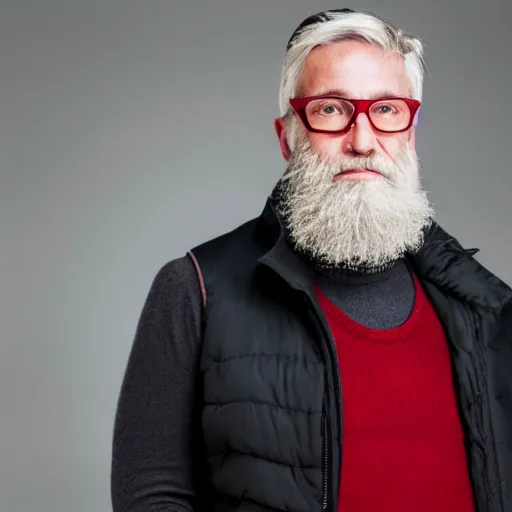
{"type": "Point", "coordinates": [403, 447]}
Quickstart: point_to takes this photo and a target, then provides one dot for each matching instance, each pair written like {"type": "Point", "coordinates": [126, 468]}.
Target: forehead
{"type": "Point", "coordinates": [355, 68]}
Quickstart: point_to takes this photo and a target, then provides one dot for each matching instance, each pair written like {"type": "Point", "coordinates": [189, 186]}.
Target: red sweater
{"type": "Point", "coordinates": [403, 448]}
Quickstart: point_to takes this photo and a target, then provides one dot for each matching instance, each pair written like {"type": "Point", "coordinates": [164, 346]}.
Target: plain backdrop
{"type": "Point", "coordinates": [131, 131]}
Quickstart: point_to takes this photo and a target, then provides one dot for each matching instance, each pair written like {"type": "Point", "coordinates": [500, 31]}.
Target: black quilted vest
{"type": "Point", "coordinates": [272, 414]}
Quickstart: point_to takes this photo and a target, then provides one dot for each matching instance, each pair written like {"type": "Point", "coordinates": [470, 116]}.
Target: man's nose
{"type": "Point", "coordinates": [362, 138]}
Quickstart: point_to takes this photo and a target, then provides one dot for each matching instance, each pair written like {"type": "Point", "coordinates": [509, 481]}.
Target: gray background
{"type": "Point", "coordinates": [130, 131]}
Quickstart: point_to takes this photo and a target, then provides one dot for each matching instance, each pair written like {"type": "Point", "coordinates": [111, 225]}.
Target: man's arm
{"type": "Point", "coordinates": [156, 456]}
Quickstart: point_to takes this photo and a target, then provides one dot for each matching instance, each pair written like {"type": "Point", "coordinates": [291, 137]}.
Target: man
{"type": "Point", "coordinates": [341, 351]}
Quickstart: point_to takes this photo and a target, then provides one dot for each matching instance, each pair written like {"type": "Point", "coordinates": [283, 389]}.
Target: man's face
{"type": "Point", "coordinates": [362, 220]}
{"type": "Point", "coordinates": [355, 70]}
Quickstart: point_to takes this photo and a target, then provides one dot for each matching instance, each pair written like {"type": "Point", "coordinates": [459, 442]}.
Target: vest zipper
{"type": "Point", "coordinates": [325, 462]}
{"type": "Point", "coordinates": [488, 492]}
{"type": "Point", "coordinates": [329, 422]}
{"type": "Point", "coordinates": [333, 381]}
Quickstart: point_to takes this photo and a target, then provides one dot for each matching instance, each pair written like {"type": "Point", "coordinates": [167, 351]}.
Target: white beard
{"type": "Point", "coordinates": [362, 226]}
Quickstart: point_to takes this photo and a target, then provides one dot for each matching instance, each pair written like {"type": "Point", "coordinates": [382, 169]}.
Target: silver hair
{"type": "Point", "coordinates": [342, 26]}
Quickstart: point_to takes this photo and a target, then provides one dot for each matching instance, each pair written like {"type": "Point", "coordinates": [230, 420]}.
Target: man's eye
{"type": "Point", "coordinates": [384, 109]}
{"type": "Point", "coordinates": [329, 109]}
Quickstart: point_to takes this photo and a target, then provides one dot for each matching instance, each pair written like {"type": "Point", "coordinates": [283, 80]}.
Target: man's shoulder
{"type": "Point", "coordinates": [233, 256]}
{"type": "Point", "coordinates": [177, 276]}
{"type": "Point", "coordinates": [182, 267]}
{"type": "Point", "coordinates": [446, 263]}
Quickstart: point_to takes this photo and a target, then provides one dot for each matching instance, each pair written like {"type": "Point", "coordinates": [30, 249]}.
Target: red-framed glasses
{"type": "Point", "coordinates": [334, 114]}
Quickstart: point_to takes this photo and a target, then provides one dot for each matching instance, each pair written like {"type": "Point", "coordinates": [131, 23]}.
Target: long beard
{"type": "Point", "coordinates": [360, 226]}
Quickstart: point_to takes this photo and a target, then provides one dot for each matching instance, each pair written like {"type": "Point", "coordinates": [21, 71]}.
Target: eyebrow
{"type": "Point", "coordinates": [375, 96]}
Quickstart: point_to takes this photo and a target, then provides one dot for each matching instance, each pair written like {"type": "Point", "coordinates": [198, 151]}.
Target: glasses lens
{"type": "Point", "coordinates": [390, 115]}
{"type": "Point", "coordinates": [329, 114]}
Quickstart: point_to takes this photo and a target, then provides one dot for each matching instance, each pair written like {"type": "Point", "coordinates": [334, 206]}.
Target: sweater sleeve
{"type": "Point", "coordinates": [156, 457]}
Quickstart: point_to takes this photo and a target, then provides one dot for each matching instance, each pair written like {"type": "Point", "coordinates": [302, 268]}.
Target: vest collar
{"type": "Point", "coordinates": [280, 257]}
{"type": "Point", "coordinates": [444, 262]}
{"type": "Point", "coordinates": [441, 261]}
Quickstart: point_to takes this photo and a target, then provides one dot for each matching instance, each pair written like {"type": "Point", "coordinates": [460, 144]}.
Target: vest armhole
{"type": "Point", "coordinates": [199, 276]}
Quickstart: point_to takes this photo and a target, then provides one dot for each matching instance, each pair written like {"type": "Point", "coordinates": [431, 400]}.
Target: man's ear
{"type": "Point", "coordinates": [280, 128]}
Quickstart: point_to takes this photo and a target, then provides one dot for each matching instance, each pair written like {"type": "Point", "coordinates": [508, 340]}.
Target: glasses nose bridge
{"type": "Point", "coordinates": [360, 107]}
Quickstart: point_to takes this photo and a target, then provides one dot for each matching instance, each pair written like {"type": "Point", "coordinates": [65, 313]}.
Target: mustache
{"type": "Point", "coordinates": [372, 163]}
{"type": "Point", "coordinates": [307, 161]}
